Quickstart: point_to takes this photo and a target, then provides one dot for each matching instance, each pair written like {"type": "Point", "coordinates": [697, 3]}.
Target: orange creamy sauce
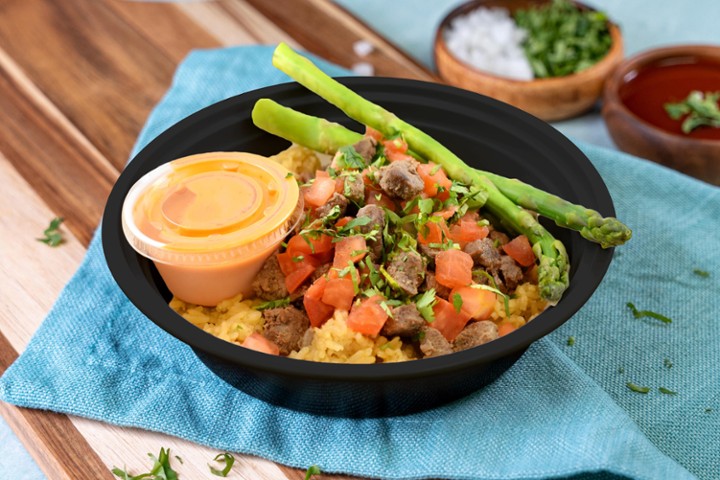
{"type": "Point", "coordinates": [210, 221]}
{"type": "Point", "coordinates": [647, 90]}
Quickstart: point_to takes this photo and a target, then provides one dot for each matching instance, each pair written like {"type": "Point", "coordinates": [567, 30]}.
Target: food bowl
{"type": "Point", "coordinates": [487, 133]}
{"type": "Point", "coordinates": [550, 99]}
{"type": "Point", "coordinates": [649, 133]}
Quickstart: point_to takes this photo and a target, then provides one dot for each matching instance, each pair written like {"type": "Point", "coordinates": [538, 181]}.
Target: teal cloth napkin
{"type": "Point", "coordinates": [561, 411]}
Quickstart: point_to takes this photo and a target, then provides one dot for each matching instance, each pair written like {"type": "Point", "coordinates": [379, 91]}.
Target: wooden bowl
{"type": "Point", "coordinates": [550, 99]}
{"type": "Point", "coordinates": [697, 157]}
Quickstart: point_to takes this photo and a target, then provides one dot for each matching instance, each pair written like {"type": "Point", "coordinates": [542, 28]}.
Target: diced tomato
{"type": "Point", "coordinates": [467, 230]}
{"type": "Point", "coordinates": [317, 311]}
{"type": "Point", "coordinates": [453, 268]}
{"type": "Point", "coordinates": [434, 177]}
{"type": "Point", "coordinates": [368, 317]}
{"type": "Point", "coordinates": [448, 321]}
{"type": "Point", "coordinates": [298, 277]}
{"type": "Point", "coordinates": [349, 249]}
{"type": "Point", "coordinates": [446, 212]}
{"type": "Point", "coordinates": [320, 258]}
{"type": "Point", "coordinates": [433, 232]}
{"type": "Point", "coordinates": [289, 263]}
{"type": "Point", "coordinates": [520, 250]}
{"type": "Point", "coordinates": [342, 222]}
{"type": "Point", "coordinates": [320, 191]}
{"type": "Point", "coordinates": [371, 132]}
{"type": "Point", "coordinates": [339, 185]}
{"type": "Point", "coordinates": [309, 245]}
{"type": "Point", "coordinates": [476, 303]}
{"type": "Point", "coordinates": [506, 327]}
{"type": "Point", "coordinates": [339, 292]}
{"type": "Point", "coordinates": [396, 145]}
{"type": "Point", "coordinates": [257, 342]}
{"type": "Point", "coordinates": [376, 197]}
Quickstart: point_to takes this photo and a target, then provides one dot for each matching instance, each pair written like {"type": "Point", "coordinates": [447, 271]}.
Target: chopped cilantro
{"type": "Point", "coordinates": [289, 175]}
{"type": "Point", "coordinates": [224, 458]}
{"type": "Point", "coordinates": [161, 469]}
{"type": "Point", "coordinates": [424, 303]}
{"type": "Point", "coordinates": [52, 237]}
{"type": "Point", "coordinates": [667, 363]}
{"type": "Point", "coordinates": [283, 302]}
{"type": "Point", "coordinates": [666, 391]}
{"type": "Point", "coordinates": [702, 109]}
{"type": "Point", "coordinates": [701, 273]}
{"type": "Point", "coordinates": [457, 302]}
{"type": "Point", "coordinates": [313, 470]}
{"type": "Point", "coordinates": [636, 388]}
{"type": "Point", "coordinates": [571, 341]}
{"type": "Point", "coordinates": [348, 158]}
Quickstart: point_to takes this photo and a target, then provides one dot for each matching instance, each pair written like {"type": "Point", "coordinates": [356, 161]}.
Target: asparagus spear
{"type": "Point", "coordinates": [553, 271]}
{"type": "Point", "coordinates": [321, 135]}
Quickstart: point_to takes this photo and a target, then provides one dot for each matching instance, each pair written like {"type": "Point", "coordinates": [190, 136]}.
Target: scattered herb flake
{"type": "Point", "coordinates": [621, 370]}
{"type": "Point", "coordinates": [313, 470]}
{"type": "Point", "coordinates": [52, 237]}
{"type": "Point", "coordinates": [647, 313]}
{"type": "Point", "coordinates": [637, 388]}
{"type": "Point", "coordinates": [666, 391]}
{"type": "Point", "coordinates": [161, 469]}
{"type": "Point", "coordinates": [299, 258]}
{"type": "Point", "coordinates": [701, 273]}
{"type": "Point", "coordinates": [223, 458]}
{"type": "Point", "coordinates": [179, 460]}
{"type": "Point", "coordinates": [667, 363]}
{"type": "Point", "coordinates": [289, 175]}
{"type": "Point", "coordinates": [708, 410]}
{"type": "Point", "coordinates": [571, 341]}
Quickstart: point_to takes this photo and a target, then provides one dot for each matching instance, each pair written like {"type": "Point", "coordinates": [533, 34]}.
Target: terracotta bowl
{"type": "Point", "coordinates": [550, 99]}
{"type": "Point", "coordinates": [697, 157]}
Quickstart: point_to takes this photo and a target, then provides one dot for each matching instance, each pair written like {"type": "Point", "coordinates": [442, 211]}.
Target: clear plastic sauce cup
{"type": "Point", "coordinates": [209, 221]}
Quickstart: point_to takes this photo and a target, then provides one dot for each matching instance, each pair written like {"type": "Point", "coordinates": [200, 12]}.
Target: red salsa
{"type": "Point", "coordinates": [646, 91]}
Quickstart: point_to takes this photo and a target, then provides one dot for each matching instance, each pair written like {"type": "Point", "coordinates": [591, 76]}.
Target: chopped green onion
{"type": "Point", "coordinates": [666, 391]}
{"type": "Point", "coordinates": [571, 341]}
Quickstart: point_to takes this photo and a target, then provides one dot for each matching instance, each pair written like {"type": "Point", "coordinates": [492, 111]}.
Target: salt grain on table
{"type": "Point", "coordinates": [489, 39]}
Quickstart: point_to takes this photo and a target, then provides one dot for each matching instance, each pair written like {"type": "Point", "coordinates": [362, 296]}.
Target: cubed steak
{"type": "Point", "coordinates": [285, 327]}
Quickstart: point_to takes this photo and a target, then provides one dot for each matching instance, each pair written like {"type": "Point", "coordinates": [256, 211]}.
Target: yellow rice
{"type": "Point", "coordinates": [234, 319]}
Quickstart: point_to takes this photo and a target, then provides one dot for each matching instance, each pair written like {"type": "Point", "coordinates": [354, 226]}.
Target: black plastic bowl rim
{"type": "Point", "coordinates": [125, 264]}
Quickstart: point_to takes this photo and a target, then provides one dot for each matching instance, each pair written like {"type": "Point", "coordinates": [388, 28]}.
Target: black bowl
{"type": "Point", "coordinates": [486, 133]}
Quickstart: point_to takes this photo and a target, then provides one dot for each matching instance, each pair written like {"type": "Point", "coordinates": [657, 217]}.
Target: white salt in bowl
{"type": "Point", "coordinates": [550, 99]}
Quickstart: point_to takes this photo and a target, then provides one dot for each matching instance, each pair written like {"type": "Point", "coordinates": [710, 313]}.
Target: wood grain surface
{"type": "Point", "coordinates": [78, 79]}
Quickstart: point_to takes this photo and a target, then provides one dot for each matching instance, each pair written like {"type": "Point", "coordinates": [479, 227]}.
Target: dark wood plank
{"type": "Point", "coordinates": [326, 29]}
{"type": "Point", "coordinates": [67, 173]}
{"type": "Point", "coordinates": [164, 26]}
{"type": "Point", "coordinates": [100, 72]}
{"type": "Point", "coordinates": [51, 438]}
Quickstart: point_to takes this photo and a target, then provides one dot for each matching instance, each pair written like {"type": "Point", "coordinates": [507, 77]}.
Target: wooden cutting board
{"type": "Point", "coordinates": [77, 81]}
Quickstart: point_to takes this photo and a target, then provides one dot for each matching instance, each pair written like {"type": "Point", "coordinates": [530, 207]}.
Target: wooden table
{"type": "Point", "coordinates": [78, 78]}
